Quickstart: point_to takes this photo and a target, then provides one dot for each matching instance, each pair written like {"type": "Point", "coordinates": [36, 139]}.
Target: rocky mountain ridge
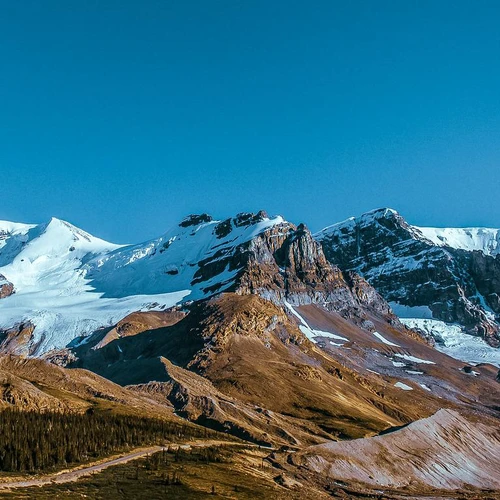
{"type": "Point", "coordinates": [415, 268]}
{"type": "Point", "coordinates": [68, 283]}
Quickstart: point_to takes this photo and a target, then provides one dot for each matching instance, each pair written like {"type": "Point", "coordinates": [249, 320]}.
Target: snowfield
{"type": "Point", "coordinates": [468, 238]}
{"type": "Point", "coordinates": [69, 283]}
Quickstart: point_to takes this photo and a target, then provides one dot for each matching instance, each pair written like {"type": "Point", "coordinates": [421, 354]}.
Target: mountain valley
{"type": "Point", "coordinates": [330, 349]}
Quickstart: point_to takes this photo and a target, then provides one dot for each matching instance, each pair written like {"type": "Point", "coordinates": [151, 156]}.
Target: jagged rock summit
{"type": "Point", "coordinates": [452, 275]}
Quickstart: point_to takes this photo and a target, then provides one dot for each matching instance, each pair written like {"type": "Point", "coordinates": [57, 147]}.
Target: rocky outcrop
{"type": "Point", "coordinates": [409, 269]}
{"type": "Point", "coordinates": [194, 220]}
{"type": "Point", "coordinates": [6, 287]}
{"type": "Point", "coordinates": [284, 263]}
{"type": "Point", "coordinates": [18, 339]}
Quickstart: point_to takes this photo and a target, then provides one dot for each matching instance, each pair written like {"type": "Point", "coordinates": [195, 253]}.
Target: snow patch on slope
{"type": "Point", "coordinates": [384, 340]}
{"type": "Point", "coordinates": [311, 333]}
{"type": "Point", "coordinates": [401, 385]}
{"type": "Point", "coordinates": [452, 340]}
{"type": "Point", "coordinates": [414, 359]}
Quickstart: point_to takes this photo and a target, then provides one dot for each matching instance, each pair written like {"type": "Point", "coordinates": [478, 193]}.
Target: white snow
{"type": "Point", "coordinates": [335, 344]}
{"type": "Point", "coordinates": [401, 385]}
{"type": "Point", "coordinates": [413, 359]}
{"type": "Point", "coordinates": [453, 341]}
{"type": "Point", "coordinates": [469, 238]}
{"type": "Point", "coordinates": [70, 283]}
{"type": "Point", "coordinates": [384, 340]}
{"type": "Point", "coordinates": [365, 219]}
{"type": "Point", "coordinates": [425, 387]}
{"type": "Point", "coordinates": [147, 268]}
{"type": "Point", "coordinates": [414, 372]}
{"type": "Point", "coordinates": [398, 364]}
{"type": "Point", "coordinates": [311, 333]}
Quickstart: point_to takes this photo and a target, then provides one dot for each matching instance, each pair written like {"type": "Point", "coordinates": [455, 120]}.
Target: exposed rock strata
{"type": "Point", "coordinates": [405, 267]}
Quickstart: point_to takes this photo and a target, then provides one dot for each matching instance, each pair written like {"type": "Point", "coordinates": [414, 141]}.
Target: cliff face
{"type": "Point", "coordinates": [456, 285]}
{"type": "Point", "coordinates": [285, 264]}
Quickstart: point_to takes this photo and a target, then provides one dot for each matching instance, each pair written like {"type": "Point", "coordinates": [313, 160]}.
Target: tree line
{"type": "Point", "coordinates": [32, 441]}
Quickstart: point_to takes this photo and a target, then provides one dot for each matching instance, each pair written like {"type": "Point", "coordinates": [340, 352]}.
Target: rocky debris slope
{"type": "Point", "coordinates": [409, 269]}
{"type": "Point", "coordinates": [445, 451]}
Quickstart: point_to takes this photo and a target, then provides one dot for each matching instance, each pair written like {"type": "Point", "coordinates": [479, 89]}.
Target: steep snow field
{"type": "Point", "coordinates": [70, 283]}
{"type": "Point", "coordinates": [469, 238]}
{"type": "Point", "coordinates": [170, 263]}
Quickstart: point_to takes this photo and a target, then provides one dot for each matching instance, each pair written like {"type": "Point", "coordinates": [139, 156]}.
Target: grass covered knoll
{"type": "Point", "coordinates": [33, 441]}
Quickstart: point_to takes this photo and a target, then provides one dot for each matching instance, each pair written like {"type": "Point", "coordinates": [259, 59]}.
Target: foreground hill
{"type": "Point", "coordinates": [431, 454]}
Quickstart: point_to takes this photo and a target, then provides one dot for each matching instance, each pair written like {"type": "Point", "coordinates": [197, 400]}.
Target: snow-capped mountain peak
{"type": "Point", "coordinates": [418, 268]}
{"type": "Point", "coordinates": [173, 261]}
{"type": "Point", "coordinates": [68, 283]}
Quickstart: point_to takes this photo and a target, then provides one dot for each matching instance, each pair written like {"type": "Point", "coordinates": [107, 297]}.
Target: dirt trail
{"type": "Point", "coordinates": [75, 474]}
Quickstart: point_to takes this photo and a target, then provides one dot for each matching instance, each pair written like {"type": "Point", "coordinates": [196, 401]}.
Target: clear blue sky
{"type": "Point", "coordinates": [124, 116]}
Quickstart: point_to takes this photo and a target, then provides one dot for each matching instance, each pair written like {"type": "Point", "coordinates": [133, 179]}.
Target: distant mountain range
{"type": "Point", "coordinates": [66, 283]}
